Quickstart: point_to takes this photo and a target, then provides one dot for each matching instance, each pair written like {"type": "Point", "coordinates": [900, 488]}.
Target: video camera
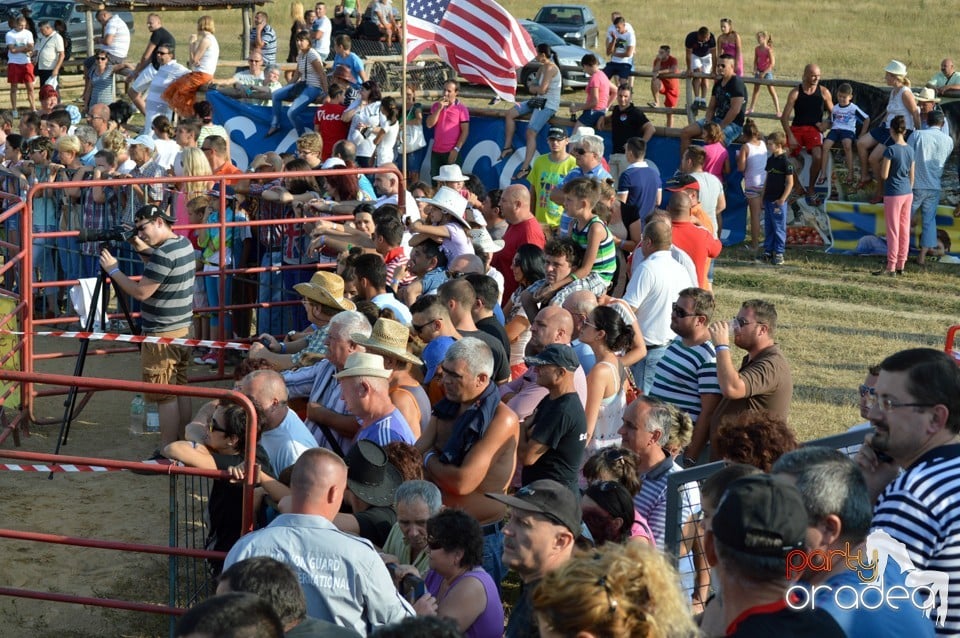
{"type": "Point", "coordinates": [117, 233]}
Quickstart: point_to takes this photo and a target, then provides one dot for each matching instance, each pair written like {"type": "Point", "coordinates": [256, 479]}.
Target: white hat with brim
{"type": "Point", "coordinates": [450, 173]}
{"type": "Point", "coordinates": [926, 94]}
{"type": "Point", "coordinates": [581, 133]}
{"type": "Point", "coordinates": [364, 364]}
{"type": "Point", "coordinates": [333, 162]}
{"type": "Point", "coordinates": [481, 237]}
{"type": "Point", "coordinates": [451, 202]}
{"type": "Point", "coordinates": [896, 67]}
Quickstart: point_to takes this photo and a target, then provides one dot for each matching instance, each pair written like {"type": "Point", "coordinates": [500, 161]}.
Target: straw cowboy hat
{"type": "Point", "coordinates": [926, 94]}
{"type": "Point", "coordinates": [450, 173]}
{"type": "Point", "coordinates": [325, 288]}
{"type": "Point", "coordinates": [370, 475]}
{"type": "Point", "coordinates": [363, 364]}
{"type": "Point", "coordinates": [450, 202]}
{"type": "Point", "coordinates": [389, 337]}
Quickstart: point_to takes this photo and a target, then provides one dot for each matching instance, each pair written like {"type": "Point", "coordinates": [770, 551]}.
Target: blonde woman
{"type": "Point", "coordinates": [298, 24]}
{"type": "Point", "coordinates": [204, 55]}
{"type": "Point", "coordinates": [872, 144]}
{"type": "Point", "coordinates": [195, 164]}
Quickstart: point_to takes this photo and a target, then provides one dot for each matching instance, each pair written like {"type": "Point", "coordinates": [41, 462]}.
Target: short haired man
{"type": "Point", "coordinates": [283, 435]}
{"type": "Point", "coordinates": [321, 30]}
{"type": "Point", "coordinates": [645, 430]}
{"type": "Point", "coordinates": [450, 119]}
{"type": "Point", "coordinates": [620, 67]}
{"type": "Point", "coordinates": [759, 521]}
{"type": "Point", "coordinates": [277, 585]}
{"type": "Point", "coordinates": [165, 292]}
{"type": "Point", "coordinates": [946, 81]}
{"type": "Point", "coordinates": [168, 70]}
{"type": "Point", "coordinates": [328, 417]}
{"type": "Point", "coordinates": [470, 445]}
{"type": "Point", "coordinates": [487, 291]}
{"type": "Point", "coordinates": [459, 297]}
{"type": "Point", "coordinates": [49, 52]}
{"type": "Point", "coordinates": [665, 64]}
{"type": "Point", "coordinates": [763, 381]}
{"type": "Point", "coordinates": [263, 38]}
{"type": "Point", "coordinates": [540, 536]}
{"type": "Point", "coordinates": [546, 173]}
{"type": "Point", "coordinates": [416, 502]}
{"type": "Point", "coordinates": [639, 191]}
{"type": "Point", "coordinates": [625, 120]}
{"type": "Point", "coordinates": [580, 304]}
{"type": "Point", "coordinates": [372, 286]}
{"type": "Point", "coordinates": [365, 387]}
{"type": "Point", "coordinates": [217, 151]}
{"type": "Point", "coordinates": [344, 580]}
{"type": "Point", "coordinates": [19, 43]}
{"type": "Point", "coordinates": [552, 441]}
{"type": "Point", "coordinates": [651, 291]}
{"type": "Point", "coordinates": [710, 193]}
{"type": "Point", "coordinates": [839, 511]}
{"type": "Point", "coordinates": [140, 76]}
{"type": "Point", "coordinates": [686, 375]}
{"type": "Point", "coordinates": [522, 228]}
{"type": "Point", "coordinates": [700, 45]}
{"type": "Point", "coordinates": [142, 150]}
{"type": "Point", "coordinates": [427, 265]}
{"type": "Point", "coordinates": [696, 240]}
{"type": "Point", "coordinates": [727, 107]}
{"type": "Point", "coordinates": [913, 461]}
{"type": "Point", "coordinates": [231, 616]}
{"type": "Point", "coordinates": [807, 103]}
{"type": "Point", "coordinates": [431, 323]}
{"type": "Point", "coordinates": [931, 149]}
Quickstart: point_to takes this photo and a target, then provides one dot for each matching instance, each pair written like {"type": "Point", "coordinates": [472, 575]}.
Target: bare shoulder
{"type": "Point", "coordinates": [506, 418]}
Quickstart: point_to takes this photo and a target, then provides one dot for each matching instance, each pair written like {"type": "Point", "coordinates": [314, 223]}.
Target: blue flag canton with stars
{"type": "Point", "coordinates": [428, 10]}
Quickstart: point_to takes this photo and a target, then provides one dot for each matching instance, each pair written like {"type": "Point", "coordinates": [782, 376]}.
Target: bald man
{"type": "Point", "coordinates": [284, 436]}
{"type": "Point", "coordinates": [522, 228]}
{"type": "Point", "coordinates": [343, 577]}
{"type": "Point", "coordinates": [580, 304]}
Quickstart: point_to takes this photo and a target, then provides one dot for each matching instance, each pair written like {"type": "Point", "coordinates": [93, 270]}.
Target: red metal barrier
{"type": "Point", "coordinates": [950, 347]}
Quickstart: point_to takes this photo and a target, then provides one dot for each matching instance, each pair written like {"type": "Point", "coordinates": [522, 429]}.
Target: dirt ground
{"type": "Point", "coordinates": [113, 505]}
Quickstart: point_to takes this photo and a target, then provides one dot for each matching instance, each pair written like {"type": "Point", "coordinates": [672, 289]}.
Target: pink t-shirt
{"type": "Point", "coordinates": [601, 82]}
{"type": "Point", "coordinates": [447, 130]}
{"type": "Point", "coordinates": [716, 157]}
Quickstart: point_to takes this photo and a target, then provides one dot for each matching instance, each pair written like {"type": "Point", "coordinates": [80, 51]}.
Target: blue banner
{"type": "Point", "coordinates": [248, 124]}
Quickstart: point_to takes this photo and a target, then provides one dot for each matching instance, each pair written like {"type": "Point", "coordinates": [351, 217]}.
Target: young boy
{"type": "Point", "coordinates": [777, 189]}
{"type": "Point", "coordinates": [669, 88]}
{"type": "Point", "coordinates": [599, 91]}
{"type": "Point", "coordinates": [844, 118]}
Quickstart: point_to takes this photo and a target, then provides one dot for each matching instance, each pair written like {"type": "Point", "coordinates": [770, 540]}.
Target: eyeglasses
{"type": "Point", "coordinates": [607, 486]}
{"type": "Point", "coordinates": [205, 148]}
{"type": "Point", "coordinates": [587, 322]}
{"type": "Point", "coordinates": [681, 313]}
{"type": "Point", "coordinates": [743, 322]}
{"type": "Point", "coordinates": [579, 151]}
{"type": "Point", "coordinates": [887, 404]}
{"type": "Point", "coordinates": [101, 57]}
{"type": "Point", "coordinates": [417, 329]}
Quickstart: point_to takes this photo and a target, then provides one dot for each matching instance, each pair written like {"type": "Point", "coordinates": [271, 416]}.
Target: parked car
{"type": "Point", "coordinates": [574, 23]}
{"type": "Point", "coordinates": [569, 56]}
{"type": "Point", "coordinates": [72, 13]}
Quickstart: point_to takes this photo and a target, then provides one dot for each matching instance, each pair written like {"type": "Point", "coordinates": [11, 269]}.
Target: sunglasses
{"type": "Point", "coordinates": [216, 427]}
{"type": "Point", "coordinates": [101, 57]}
{"type": "Point", "coordinates": [681, 313]}
{"type": "Point", "coordinates": [743, 322]}
{"type": "Point", "coordinates": [417, 329]}
{"type": "Point", "coordinates": [579, 151]}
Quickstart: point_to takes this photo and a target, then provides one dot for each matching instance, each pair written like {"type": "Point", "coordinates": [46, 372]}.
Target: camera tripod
{"type": "Point", "coordinates": [99, 293]}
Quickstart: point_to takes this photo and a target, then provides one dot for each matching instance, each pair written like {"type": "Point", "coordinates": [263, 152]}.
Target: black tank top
{"type": "Point", "coordinates": [808, 109]}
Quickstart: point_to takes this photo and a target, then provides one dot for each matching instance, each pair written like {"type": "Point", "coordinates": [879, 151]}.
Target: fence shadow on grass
{"type": "Point", "coordinates": [839, 396]}
{"type": "Point", "coordinates": [921, 339]}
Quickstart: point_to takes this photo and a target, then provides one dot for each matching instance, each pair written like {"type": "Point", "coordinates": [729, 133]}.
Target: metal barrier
{"type": "Point", "coordinates": [683, 534]}
{"type": "Point", "coordinates": [188, 579]}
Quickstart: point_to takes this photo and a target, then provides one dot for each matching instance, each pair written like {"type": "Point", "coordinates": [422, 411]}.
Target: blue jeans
{"type": "Point", "coordinates": [926, 201]}
{"type": "Point", "coordinates": [273, 320]}
{"type": "Point", "coordinates": [645, 369]}
{"type": "Point", "coordinates": [774, 228]}
{"type": "Point", "coordinates": [212, 286]}
{"type": "Point", "coordinates": [301, 96]}
{"type": "Point", "coordinates": [493, 556]}
{"type": "Point", "coordinates": [68, 248]}
{"type": "Point", "coordinates": [45, 263]}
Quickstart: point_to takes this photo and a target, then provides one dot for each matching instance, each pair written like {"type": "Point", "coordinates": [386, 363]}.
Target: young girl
{"type": "Point", "coordinates": [208, 240]}
{"type": "Point", "coordinates": [752, 162]}
{"type": "Point", "coordinates": [896, 171]}
{"type": "Point", "coordinates": [385, 133]}
{"type": "Point", "coordinates": [445, 221]}
{"type": "Point", "coordinates": [599, 258]}
{"type": "Point", "coordinates": [763, 62]}
{"type": "Point", "coordinates": [718, 159]}
{"type": "Point", "coordinates": [729, 43]}
{"type": "Point", "coordinates": [196, 210]}
{"type": "Point", "coordinates": [413, 129]}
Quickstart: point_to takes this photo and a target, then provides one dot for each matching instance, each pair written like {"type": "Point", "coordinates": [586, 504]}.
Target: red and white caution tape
{"type": "Point", "coordinates": [70, 467]}
{"type": "Point", "coordinates": [108, 336]}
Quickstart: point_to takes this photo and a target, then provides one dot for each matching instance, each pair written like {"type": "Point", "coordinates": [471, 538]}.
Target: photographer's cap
{"type": "Point", "coordinates": [150, 211]}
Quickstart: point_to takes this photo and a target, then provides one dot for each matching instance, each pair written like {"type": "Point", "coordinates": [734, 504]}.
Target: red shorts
{"type": "Point", "coordinates": [20, 73]}
{"type": "Point", "coordinates": [808, 138]}
{"type": "Point", "coordinates": [670, 90]}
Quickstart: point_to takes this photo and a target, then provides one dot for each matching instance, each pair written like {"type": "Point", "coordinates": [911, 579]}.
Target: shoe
{"type": "Point", "coordinates": [506, 152]}
{"type": "Point", "coordinates": [210, 359]}
{"type": "Point", "coordinates": [14, 113]}
{"type": "Point", "coordinates": [273, 131]}
{"type": "Point", "coordinates": [877, 199]}
{"type": "Point", "coordinates": [522, 173]}
{"type": "Point", "coordinates": [899, 272]}
{"type": "Point", "coordinates": [821, 180]}
{"type": "Point", "coordinates": [777, 259]}
{"type": "Point", "coordinates": [884, 273]}
{"type": "Point", "coordinates": [201, 352]}
{"type": "Point", "coordinates": [765, 258]}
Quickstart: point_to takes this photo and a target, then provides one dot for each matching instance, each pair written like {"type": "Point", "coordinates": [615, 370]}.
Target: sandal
{"type": "Point", "coordinates": [506, 152]}
{"type": "Point", "coordinates": [522, 173]}
{"type": "Point", "coordinates": [821, 180]}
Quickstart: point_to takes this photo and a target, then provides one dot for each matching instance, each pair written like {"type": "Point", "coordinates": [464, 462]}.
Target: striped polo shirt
{"type": "Point", "coordinates": [171, 306]}
{"type": "Point", "coordinates": [683, 374]}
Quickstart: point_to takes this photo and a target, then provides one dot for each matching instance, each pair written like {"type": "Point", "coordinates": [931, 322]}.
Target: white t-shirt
{"type": "Point", "coordinates": [623, 43]}
{"type": "Point", "coordinates": [18, 39]}
{"type": "Point", "coordinates": [167, 151]}
{"type": "Point", "coordinates": [324, 26]}
{"type": "Point", "coordinates": [116, 27]}
{"type": "Point", "coordinates": [47, 51]}
{"type": "Point", "coordinates": [385, 149]}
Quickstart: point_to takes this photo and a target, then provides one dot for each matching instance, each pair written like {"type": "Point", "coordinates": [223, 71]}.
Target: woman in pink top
{"type": "Point", "coordinates": [718, 159]}
{"type": "Point", "coordinates": [599, 90]}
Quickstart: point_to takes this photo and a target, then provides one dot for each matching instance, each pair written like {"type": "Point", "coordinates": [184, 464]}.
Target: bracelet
{"type": "Point", "coordinates": [111, 273]}
{"type": "Point", "coordinates": [456, 148]}
{"type": "Point", "coordinates": [427, 457]}
{"type": "Point", "coordinates": [283, 347]}
{"type": "Point", "coordinates": [721, 347]}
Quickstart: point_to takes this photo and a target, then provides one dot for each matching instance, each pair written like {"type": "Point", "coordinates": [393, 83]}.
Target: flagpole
{"type": "Point", "coordinates": [403, 97]}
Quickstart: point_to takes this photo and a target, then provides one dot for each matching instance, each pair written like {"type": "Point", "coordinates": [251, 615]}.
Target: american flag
{"type": "Point", "coordinates": [478, 38]}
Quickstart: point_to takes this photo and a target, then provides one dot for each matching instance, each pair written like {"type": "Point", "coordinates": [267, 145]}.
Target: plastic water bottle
{"type": "Point", "coordinates": [153, 418]}
{"type": "Point", "coordinates": [137, 408]}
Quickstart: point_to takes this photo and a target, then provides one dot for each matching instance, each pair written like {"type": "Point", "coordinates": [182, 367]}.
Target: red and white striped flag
{"type": "Point", "coordinates": [478, 38]}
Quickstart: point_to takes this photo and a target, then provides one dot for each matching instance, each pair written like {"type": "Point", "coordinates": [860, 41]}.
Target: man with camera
{"type": "Point", "coordinates": [166, 294]}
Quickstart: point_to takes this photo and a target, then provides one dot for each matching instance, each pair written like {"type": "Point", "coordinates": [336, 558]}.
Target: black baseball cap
{"type": "Point", "coordinates": [762, 515]}
{"type": "Point", "coordinates": [556, 133]}
{"type": "Point", "coordinates": [547, 497]}
{"type": "Point", "coordinates": [150, 211]}
{"type": "Point", "coordinates": [556, 354]}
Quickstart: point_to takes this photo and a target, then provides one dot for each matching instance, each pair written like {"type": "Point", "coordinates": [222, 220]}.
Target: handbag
{"type": "Point", "coordinates": [413, 133]}
{"type": "Point", "coordinates": [630, 388]}
{"type": "Point", "coordinates": [537, 102]}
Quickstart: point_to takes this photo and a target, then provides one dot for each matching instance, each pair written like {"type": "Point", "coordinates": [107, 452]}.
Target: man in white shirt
{"type": "Point", "coordinates": [50, 53]}
{"type": "Point", "coordinates": [169, 71]}
{"type": "Point", "coordinates": [651, 292]}
{"type": "Point", "coordinates": [321, 31]}
{"type": "Point", "coordinates": [19, 42]}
